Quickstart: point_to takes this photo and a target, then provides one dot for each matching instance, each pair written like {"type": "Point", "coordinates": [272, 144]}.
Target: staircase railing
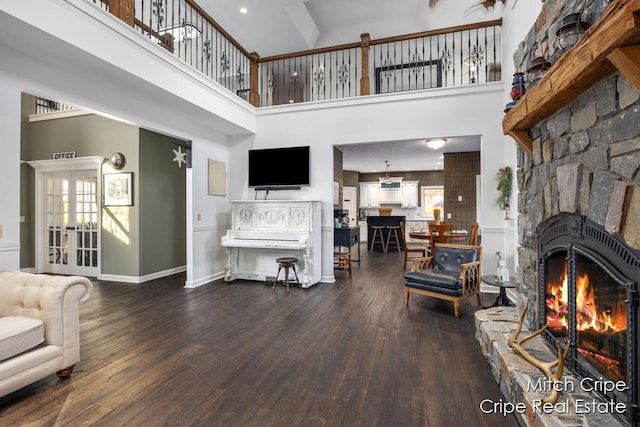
{"type": "Point", "coordinates": [455, 56]}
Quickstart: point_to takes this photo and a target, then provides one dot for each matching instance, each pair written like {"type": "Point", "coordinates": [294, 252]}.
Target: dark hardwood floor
{"type": "Point", "coordinates": [344, 354]}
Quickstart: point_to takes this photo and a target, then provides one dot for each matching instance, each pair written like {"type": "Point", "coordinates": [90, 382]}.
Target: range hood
{"type": "Point", "coordinates": [390, 191]}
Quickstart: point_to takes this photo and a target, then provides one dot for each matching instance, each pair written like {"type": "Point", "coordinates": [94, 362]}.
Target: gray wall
{"type": "Point", "coordinates": [94, 135]}
{"type": "Point", "coordinates": [27, 186]}
{"type": "Point", "coordinates": [162, 199]}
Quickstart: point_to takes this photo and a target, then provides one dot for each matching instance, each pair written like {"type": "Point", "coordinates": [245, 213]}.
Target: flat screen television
{"type": "Point", "coordinates": [279, 168]}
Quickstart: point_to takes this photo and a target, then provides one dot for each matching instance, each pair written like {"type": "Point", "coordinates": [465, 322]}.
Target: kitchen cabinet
{"type": "Point", "coordinates": [363, 231]}
{"type": "Point", "coordinates": [347, 237]}
{"type": "Point", "coordinates": [410, 194]}
{"type": "Point", "coordinates": [369, 194]}
{"type": "Point", "coordinates": [391, 193]}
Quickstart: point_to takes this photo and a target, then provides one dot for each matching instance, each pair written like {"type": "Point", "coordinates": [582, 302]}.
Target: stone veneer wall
{"type": "Point", "coordinates": [586, 160]}
{"type": "Point", "coordinates": [586, 155]}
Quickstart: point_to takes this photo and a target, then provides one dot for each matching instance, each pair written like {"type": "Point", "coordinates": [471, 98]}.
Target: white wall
{"type": "Point", "coordinates": [517, 22]}
{"type": "Point", "coordinates": [443, 112]}
{"type": "Point", "coordinates": [95, 62]}
{"type": "Point", "coordinates": [10, 167]}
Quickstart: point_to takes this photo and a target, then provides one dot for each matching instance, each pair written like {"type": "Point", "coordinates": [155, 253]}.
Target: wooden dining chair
{"type": "Point", "coordinates": [444, 231]}
{"type": "Point", "coordinates": [474, 234]}
{"type": "Point", "coordinates": [407, 249]}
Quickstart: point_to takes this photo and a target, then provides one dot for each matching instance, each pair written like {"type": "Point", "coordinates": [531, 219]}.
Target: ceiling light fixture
{"type": "Point", "coordinates": [243, 10]}
{"type": "Point", "coordinates": [436, 144]}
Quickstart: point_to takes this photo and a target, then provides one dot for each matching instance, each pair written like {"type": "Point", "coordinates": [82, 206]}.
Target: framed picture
{"type": "Point", "coordinates": [118, 189]}
{"type": "Point", "coordinates": [432, 198]}
{"type": "Point", "coordinates": [411, 76]}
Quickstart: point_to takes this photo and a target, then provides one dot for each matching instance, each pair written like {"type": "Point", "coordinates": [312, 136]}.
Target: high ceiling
{"type": "Point", "coordinates": [272, 27]}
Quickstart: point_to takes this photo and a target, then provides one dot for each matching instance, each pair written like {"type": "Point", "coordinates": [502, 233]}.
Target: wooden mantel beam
{"type": "Point", "coordinates": [613, 38]}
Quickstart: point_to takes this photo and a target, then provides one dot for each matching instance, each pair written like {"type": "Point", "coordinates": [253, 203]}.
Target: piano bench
{"type": "Point", "coordinates": [286, 263]}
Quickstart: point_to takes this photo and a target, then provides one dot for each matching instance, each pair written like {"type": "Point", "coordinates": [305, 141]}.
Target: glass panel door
{"type": "Point", "coordinates": [72, 223]}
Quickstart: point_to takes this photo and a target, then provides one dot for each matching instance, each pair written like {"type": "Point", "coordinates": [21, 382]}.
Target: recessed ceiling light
{"type": "Point", "coordinates": [243, 10]}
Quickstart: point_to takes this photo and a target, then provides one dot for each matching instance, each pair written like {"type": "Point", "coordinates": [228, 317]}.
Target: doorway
{"type": "Point", "coordinates": [72, 223]}
{"type": "Point", "coordinates": [349, 203]}
{"type": "Point", "coordinates": [67, 216]}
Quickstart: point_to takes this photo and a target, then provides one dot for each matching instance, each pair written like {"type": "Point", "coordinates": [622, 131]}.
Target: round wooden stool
{"type": "Point", "coordinates": [377, 232]}
{"type": "Point", "coordinates": [286, 263]}
{"type": "Point", "coordinates": [342, 259]}
{"type": "Point", "coordinates": [393, 230]}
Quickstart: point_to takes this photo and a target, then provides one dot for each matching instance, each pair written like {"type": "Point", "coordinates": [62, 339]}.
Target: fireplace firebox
{"type": "Point", "coordinates": [588, 294]}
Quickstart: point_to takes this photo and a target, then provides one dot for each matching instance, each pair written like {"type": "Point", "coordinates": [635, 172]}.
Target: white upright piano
{"type": "Point", "coordinates": [263, 230]}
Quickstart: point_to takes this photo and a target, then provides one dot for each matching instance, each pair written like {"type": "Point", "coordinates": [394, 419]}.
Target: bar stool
{"type": "Point", "coordinates": [393, 230]}
{"type": "Point", "coordinates": [377, 232]}
{"type": "Point", "coordinates": [342, 259]}
{"type": "Point", "coordinates": [286, 263]}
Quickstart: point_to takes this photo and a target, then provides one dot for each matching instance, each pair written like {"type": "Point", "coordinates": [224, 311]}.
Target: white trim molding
{"type": "Point", "coordinates": [142, 279]}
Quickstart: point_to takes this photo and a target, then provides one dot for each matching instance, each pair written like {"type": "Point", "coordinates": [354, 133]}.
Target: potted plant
{"type": "Point", "coordinates": [504, 179]}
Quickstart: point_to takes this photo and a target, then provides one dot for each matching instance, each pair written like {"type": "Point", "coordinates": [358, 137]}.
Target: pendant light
{"type": "Point", "coordinates": [387, 179]}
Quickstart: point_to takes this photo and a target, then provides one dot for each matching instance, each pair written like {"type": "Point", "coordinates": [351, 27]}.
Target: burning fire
{"type": "Point", "coordinates": [588, 315]}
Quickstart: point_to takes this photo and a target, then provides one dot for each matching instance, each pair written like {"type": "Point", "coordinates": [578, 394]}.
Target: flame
{"type": "Point", "coordinates": [588, 314]}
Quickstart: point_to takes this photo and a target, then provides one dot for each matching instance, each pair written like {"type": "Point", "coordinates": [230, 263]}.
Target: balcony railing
{"type": "Point", "coordinates": [44, 106]}
{"type": "Point", "coordinates": [443, 58]}
{"type": "Point", "coordinates": [454, 56]}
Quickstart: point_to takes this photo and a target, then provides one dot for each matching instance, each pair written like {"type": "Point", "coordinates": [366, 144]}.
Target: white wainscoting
{"type": "Point", "coordinates": [209, 257]}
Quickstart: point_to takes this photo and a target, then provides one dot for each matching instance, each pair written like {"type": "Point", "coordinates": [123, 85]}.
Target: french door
{"type": "Point", "coordinates": [72, 223]}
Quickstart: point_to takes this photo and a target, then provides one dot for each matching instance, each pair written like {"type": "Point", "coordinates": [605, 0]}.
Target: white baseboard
{"type": "Point", "coordinates": [204, 280]}
{"type": "Point", "coordinates": [328, 279]}
{"type": "Point", "coordinates": [142, 279]}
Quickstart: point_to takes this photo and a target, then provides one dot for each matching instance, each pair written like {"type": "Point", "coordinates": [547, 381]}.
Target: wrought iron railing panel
{"type": "Point", "coordinates": [44, 106]}
{"type": "Point", "coordinates": [315, 77]}
{"type": "Point", "coordinates": [183, 30]}
{"type": "Point", "coordinates": [443, 60]}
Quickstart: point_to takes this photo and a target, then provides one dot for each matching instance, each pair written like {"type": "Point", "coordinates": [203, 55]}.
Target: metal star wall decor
{"type": "Point", "coordinates": [180, 157]}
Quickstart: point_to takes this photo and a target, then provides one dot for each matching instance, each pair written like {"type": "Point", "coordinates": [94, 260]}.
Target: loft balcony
{"type": "Point", "coordinates": [450, 57]}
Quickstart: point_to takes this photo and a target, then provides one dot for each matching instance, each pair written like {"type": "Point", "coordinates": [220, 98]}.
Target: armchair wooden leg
{"type": "Point", "coordinates": [456, 308]}
{"type": "Point", "coordinates": [406, 296]}
{"type": "Point", "coordinates": [66, 372]}
{"type": "Point", "coordinates": [478, 296]}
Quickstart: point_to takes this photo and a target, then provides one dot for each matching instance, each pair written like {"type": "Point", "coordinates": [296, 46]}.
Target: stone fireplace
{"type": "Point", "coordinates": [579, 239]}
{"type": "Point", "coordinates": [588, 287]}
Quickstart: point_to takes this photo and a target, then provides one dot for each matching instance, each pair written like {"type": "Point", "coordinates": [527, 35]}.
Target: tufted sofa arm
{"type": "Point", "coordinates": [53, 299]}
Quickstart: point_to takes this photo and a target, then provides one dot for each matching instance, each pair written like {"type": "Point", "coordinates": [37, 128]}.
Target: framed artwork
{"type": "Point", "coordinates": [432, 198]}
{"type": "Point", "coordinates": [217, 179]}
{"type": "Point", "coordinates": [118, 189]}
{"type": "Point", "coordinates": [410, 76]}
{"type": "Point", "coordinates": [336, 193]}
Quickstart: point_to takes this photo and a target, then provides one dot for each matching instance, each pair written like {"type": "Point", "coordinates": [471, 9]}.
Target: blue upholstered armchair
{"type": "Point", "coordinates": [452, 273]}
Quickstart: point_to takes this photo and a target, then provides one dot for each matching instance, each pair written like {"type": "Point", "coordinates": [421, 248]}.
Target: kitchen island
{"type": "Point", "coordinates": [384, 221]}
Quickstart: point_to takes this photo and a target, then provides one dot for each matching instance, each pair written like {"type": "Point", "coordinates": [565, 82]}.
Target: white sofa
{"type": "Point", "coordinates": [39, 326]}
